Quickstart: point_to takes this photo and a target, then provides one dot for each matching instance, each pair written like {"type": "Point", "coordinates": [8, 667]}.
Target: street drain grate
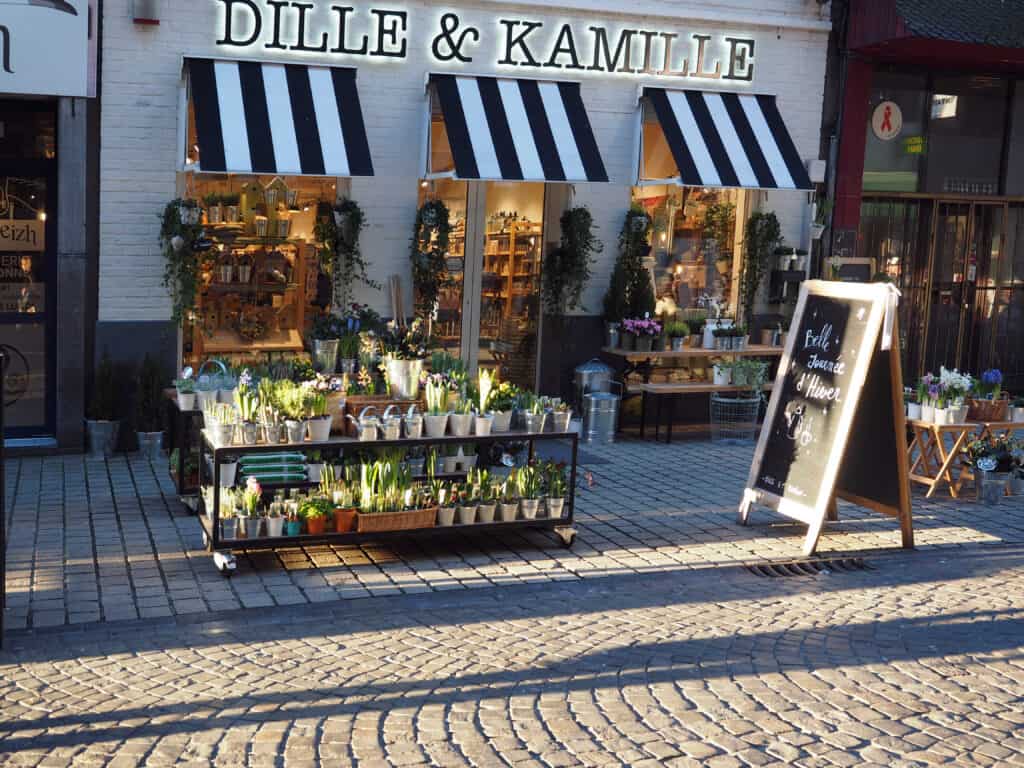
{"type": "Point", "coordinates": [810, 567]}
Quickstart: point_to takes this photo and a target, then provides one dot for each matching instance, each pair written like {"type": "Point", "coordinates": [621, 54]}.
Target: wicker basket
{"type": "Point", "coordinates": [396, 521]}
{"type": "Point", "coordinates": [987, 410]}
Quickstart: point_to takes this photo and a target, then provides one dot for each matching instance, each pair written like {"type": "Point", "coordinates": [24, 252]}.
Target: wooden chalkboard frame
{"type": "Point", "coordinates": [878, 294]}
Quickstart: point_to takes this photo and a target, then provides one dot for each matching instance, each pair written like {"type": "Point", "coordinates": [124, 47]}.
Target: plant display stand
{"type": "Point", "coordinates": [339, 447]}
{"type": "Point", "coordinates": [183, 435]}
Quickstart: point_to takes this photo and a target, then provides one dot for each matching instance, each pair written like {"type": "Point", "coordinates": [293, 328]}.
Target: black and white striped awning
{"type": "Point", "coordinates": [294, 119]}
{"type": "Point", "coordinates": [728, 140]}
{"type": "Point", "coordinates": [522, 130]}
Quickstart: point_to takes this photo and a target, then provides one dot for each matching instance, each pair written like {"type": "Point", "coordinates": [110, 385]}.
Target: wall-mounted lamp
{"type": "Point", "coordinates": [146, 12]}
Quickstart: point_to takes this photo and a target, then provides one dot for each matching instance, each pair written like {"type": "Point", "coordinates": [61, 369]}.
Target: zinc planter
{"type": "Point", "coordinates": [556, 506]}
{"type": "Point", "coordinates": [435, 424]}
{"type": "Point", "coordinates": [250, 432]}
{"type": "Point", "coordinates": [482, 425]}
{"type": "Point", "coordinates": [530, 507]}
{"type": "Point", "coordinates": [319, 428]}
{"type": "Point", "coordinates": [508, 511]}
{"type": "Point", "coordinates": [644, 343]}
{"type": "Point", "coordinates": [228, 470]}
{"type": "Point", "coordinates": [446, 515]}
{"type": "Point", "coordinates": [151, 444]}
{"type": "Point", "coordinates": [678, 343]}
{"type": "Point", "coordinates": [991, 486]}
{"type": "Point", "coordinates": [273, 433]}
{"type": "Point", "coordinates": [229, 528]}
{"type": "Point", "coordinates": [102, 437]}
{"type": "Point", "coordinates": [252, 527]}
{"type": "Point", "coordinates": [275, 526]}
{"type": "Point", "coordinates": [485, 513]}
{"type": "Point", "coordinates": [404, 378]}
{"type": "Point", "coordinates": [296, 431]}
{"type": "Point", "coordinates": [413, 426]}
{"type": "Point", "coordinates": [502, 421]}
{"type": "Point", "coordinates": [325, 355]}
{"type": "Point", "coordinates": [206, 398]}
{"type": "Point", "coordinates": [467, 514]}
{"type": "Point", "coordinates": [223, 434]}
{"type": "Point", "coordinates": [460, 423]}
{"type": "Point", "coordinates": [314, 471]}
{"type": "Point", "coordinates": [534, 422]}
{"type": "Point", "coordinates": [560, 421]}
{"type": "Point", "coordinates": [1017, 414]}
{"type": "Point", "coordinates": [186, 401]}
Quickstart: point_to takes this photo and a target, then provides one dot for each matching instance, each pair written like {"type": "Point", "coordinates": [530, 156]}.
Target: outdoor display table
{"type": "Point", "coordinates": [936, 463]}
{"type": "Point", "coordinates": [659, 392]}
{"type": "Point", "coordinates": [642, 363]}
{"type": "Point", "coordinates": [342, 446]}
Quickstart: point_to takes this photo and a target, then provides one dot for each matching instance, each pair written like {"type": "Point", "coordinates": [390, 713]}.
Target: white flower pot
{"type": "Point", "coordinates": [315, 471]}
{"type": "Point", "coordinates": [445, 515]}
{"type": "Point", "coordinates": [460, 423]}
{"type": "Point", "coordinates": [508, 511]}
{"type": "Point", "coordinates": [451, 464]}
{"type": "Point", "coordinates": [529, 507]}
{"type": "Point", "coordinates": [467, 514]}
{"type": "Point", "coordinates": [927, 412]}
{"type": "Point", "coordinates": [319, 429]}
{"type": "Point", "coordinates": [502, 421]}
{"type": "Point", "coordinates": [186, 401]}
{"type": "Point", "coordinates": [958, 414]}
{"type": "Point", "coordinates": [914, 411]}
{"type": "Point", "coordinates": [555, 505]}
{"type": "Point", "coordinates": [941, 416]}
{"type": "Point", "coordinates": [482, 425]}
{"type": "Point", "coordinates": [722, 376]}
{"type": "Point", "coordinates": [228, 470]}
{"type": "Point", "coordinates": [485, 513]}
{"type": "Point", "coordinates": [435, 424]}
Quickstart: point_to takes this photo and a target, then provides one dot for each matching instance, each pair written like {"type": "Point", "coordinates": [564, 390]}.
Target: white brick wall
{"type": "Point", "coordinates": [139, 152]}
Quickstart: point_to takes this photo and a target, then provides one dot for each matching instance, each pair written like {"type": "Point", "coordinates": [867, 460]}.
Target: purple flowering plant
{"type": "Point", "coordinates": [642, 326]}
{"type": "Point", "coordinates": [990, 384]}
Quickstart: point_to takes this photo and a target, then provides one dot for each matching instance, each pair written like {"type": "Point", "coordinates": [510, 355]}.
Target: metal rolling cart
{"type": "Point", "coordinates": [211, 455]}
{"type": "Point", "coordinates": [182, 429]}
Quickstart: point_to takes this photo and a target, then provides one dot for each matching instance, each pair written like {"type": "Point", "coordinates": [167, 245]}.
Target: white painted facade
{"type": "Point", "coordinates": [141, 79]}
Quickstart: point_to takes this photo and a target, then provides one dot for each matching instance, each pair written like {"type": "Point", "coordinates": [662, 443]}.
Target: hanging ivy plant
{"type": "Point", "coordinates": [567, 267]}
{"type": "Point", "coordinates": [340, 255]}
{"type": "Point", "coordinates": [630, 293]}
{"type": "Point", "coordinates": [760, 239]}
{"type": "Point", "coordinates": [180, 241]}
{"type": "Point", "coordinates": [429, 250]}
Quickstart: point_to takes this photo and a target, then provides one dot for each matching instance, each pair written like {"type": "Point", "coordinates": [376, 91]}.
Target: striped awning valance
{"type": "Point", "coordinates": [253, 117]}
{"type": "Point", "coordinates": [523, 130]}
{"type": "Point", "coordinates": [728, 140]}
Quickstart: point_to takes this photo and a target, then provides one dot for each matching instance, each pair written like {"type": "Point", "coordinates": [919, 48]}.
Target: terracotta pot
{"type": "Point", "coordinates": [316, 525]}
{"type": "Point", "coordinates": [344, 520]}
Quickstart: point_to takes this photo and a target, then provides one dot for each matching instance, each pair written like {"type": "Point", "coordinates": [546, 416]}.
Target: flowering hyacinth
{"type": "Point", "coordinates": [990, 383]}
{"type": "Point", "coordinates": [955, 384]}
{"type": "Point", "coordinates": [934, 391]}
{"type": "Point", "coordinates": [245, 380]}
{"type": "Point", "coordinates": [642, 326]}
{"type": "Point", "coordinates": [992, 376]}
{"type": "Point", "coordinates": [322, 383]}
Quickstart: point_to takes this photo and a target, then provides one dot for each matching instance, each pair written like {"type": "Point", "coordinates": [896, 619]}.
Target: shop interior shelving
{"type": "Point", "coordinates": [213, 455]}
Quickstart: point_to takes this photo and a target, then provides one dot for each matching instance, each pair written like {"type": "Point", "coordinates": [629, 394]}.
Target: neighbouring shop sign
{"type": "Point", "coordinates": [44, 47]}
{"type": "Point", "coordinates": [835, 425]}
{"type": "Point", "coordinates": [513, 42]}
{"type": "Point", "coordinates": [887, 120]}
{"type": "Point", "coordinates": [22, 235]}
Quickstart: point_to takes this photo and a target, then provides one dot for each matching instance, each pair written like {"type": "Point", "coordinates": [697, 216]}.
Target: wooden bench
{"type": "Point", "coordinates": [657, 392]}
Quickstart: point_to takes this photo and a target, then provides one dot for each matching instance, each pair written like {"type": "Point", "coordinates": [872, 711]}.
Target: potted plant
{"type": "Point", "coordinates": [149, 398]}
{"type": "Point", "coordinates": [722, 374]}
{"type": "Point", "coordinates": [293, 402]}
{"type": "Point", "coordinates": [324, 340]}
{"type": "Point", "coordinates": [484, 421]}
{"type": "Point", "coordinates": [315, 467]}
{"type": "Point", "coordinates": [228, 520]}
{"type": "Point", "coordinates": [186, 389]}
{"type": "Point", "coordinates": [206, 391]}
{"type": "Point", "coordinates": [342, 496]}
{"type": "Point", "coordinates": [956, 387]}
{"type": "Point", "coordinates": [404, 350]}
{"type": "Point", "coordinates": [487, 496]}
{"type": "Point", "coordinates": [556, 484]}
{"type": "Point", "coordinates": [644, 331]}
{"type": "Point", "coordinates": [318, 421]}
{"type": "Point", "coordinates": [229, 204]}
{"type": "Point", "coordinates": [247, 402]}
{"type": "Point", "coordinates": [213, 208]}
{"type": "Point", "coordinates": [293, 523]}
{"type": "Point", "coordinates": [561, 414]}
{"type": "Point", "coordinates": [508, 507]}
{"type": "Point", "coordinates": [444, 497]}
{"type": "Point", "coordinates": [101, 423]}
{"type": "Point", "coordinates": [677, 331]}
{"type": "Point", "coordinates": [315, 511]}
{"type": "Point", "coordinates": [992, 459]}
{"type": "Point", "coordinates": [723, 338]}
{"type": "Point", "coordinates": [228, 472]}
{"type": "Point", "coordinates": [435, 420]}
{"type": "Point", "coordinates": [348, 352]}
{"type": "Point", "coordinates": [276, 515]}
{"type": "Point", "coordinates": [461, 419]}
{"type": "Point", "coordinates": [529, 481]}
{"type": "Point", "coordinates": [251, 498]}
{"type": "Point", "coordinates": [913, 405]}
{"type": "Point", "coordinates": [533, 412]}
{"type": "Point", "coordinates": [467, 504]}
{"type": "Point", "coordinates": [221, 420]}
{"type": "Point", "coordinates": [761, 238]}
{"type": "Point", "coordinates": [990, 402]}
{"type": "Point", "coordinates": [824, 208]}
{"type": "Point", "coordinates": [502, 403]}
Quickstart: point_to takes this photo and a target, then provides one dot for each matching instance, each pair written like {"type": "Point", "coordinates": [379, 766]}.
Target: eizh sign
{"type": "Point", "coordinates": [525, 44]}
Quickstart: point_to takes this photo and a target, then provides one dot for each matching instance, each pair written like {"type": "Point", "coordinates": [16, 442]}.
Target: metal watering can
{"type": "Point", "coordinates": [366, 425]}
{"type": "Point", "coordinates": [391, 426]}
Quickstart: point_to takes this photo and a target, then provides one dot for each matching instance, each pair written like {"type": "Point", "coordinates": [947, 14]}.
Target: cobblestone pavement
{"type": "Point", "coordinates": [94, 541]}
{"type": "Point", "coordinates": [917, 662]}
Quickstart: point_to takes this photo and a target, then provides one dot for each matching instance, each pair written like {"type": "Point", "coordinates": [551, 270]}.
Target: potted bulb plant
{"type": "Point", "coordinates": [529, 481]}
{"type": "Point", "coordinates": [247, 402]}
{"type": "Point", "coordinates": [534, 414]}
{"type": "Point", "coordinates": [315, 468]}
{"type": "Point", "coordinates": [186, 389]}
{"type": "Point", "coordinates": [483, 421]}
{"type": "Point", "coordinates": [461, 419]}
{"type": "Point", "coordinates": [318, 422]}
{"type": "Point", "coordinates": [677, 332]}
{"type": "Point", "coordinates": [315, 511]}
{"type": "Point", "coordinates": [293, 402]}
{"type": "Point", "coordinates": [561, 414]}
{"type": "Point", "coordinates": [149, 397]}
{"type": "Point", "coordinates": [435, 420]}
{"type": "Point", "coordinates": [556, 488]}
{"type": "Point", "coordinates": [101, 423]}
{"type": "Point", "coordinates": [468, 501]}
{"type": "Point", "coordinates": [508, 506]}
{"type": "Point", "coordinates": [992, 459]}
{"type": "Point", "coordinates": [251, 499]}
{"type": "Point", "coordinates": [228, 520]}
{"type": "Point", "coordinates": [276, 515]}
{"type": "Point", "coordinates": [502, 403]}
{"type": "Point", "coordinates": [444, 497]}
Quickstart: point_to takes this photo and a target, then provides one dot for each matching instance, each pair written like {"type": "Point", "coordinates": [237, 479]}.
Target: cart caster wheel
{"type": "Point", "coordinates": [206, 541]}
{"type": "Point", "coordinates": [225, 562]}
{"type": "Point", "coordinates": [567, 535]}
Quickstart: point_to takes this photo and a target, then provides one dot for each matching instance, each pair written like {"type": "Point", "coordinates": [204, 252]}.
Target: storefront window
{"type": "Point", "coordinates": [694, 244]}
{"type": "Point", "coordinates": [656, 161]}
{"type": "Point", "coordinates": [510, 280]}
{"type": "Point", "coordinates": [892, 163]}
{"type": "Point", "coordinates": [1015, 148]}
{"type": "Point", "coordinates": [27, 132]}
{"type": "Point", "coordinates": [965, 135]}
{"type": "Point", "coordinates": [448, 327]}
{"type": "Point", "coordinates": [260, 285]}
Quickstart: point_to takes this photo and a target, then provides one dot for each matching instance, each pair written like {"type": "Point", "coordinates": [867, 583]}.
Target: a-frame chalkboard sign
{"type": "Point", "coordinates": [835, 425]}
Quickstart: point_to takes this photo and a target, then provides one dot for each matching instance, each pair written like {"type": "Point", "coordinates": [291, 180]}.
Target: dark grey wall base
{"type": "Point", "coordinates": [128, 343]}
{"type": "Point", "coordinates": [567, 342]}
